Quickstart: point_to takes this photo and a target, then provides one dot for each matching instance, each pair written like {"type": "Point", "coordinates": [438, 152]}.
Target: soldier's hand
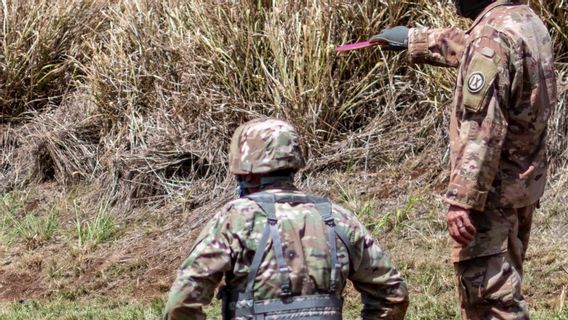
{"type": "Point", "coordinates": [393, 39]}
{"type": "Point", "coordinates": [460, 226]}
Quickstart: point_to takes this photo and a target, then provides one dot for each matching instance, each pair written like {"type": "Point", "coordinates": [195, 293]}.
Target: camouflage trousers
{"type": "Point", "coordinates": [489, 271]}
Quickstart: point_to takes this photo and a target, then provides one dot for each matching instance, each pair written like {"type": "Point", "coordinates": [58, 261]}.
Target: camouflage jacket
{"type": "Point", "coordinates": [227, 245]}
{"type": "Point", "coordinates": [505, 92]}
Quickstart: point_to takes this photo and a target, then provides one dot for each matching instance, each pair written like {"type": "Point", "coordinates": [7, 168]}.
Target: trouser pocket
{"type": "Point", "coordinates": [490, 288]}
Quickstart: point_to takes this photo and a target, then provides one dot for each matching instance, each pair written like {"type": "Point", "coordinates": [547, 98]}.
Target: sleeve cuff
{"type": "Point", "coordinates": [466, 197]}
{"type": "Point", "coordinates": [417, 44]}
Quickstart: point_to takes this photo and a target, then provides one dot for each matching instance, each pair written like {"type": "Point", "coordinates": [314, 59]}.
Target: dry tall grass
{"type": "Point", "coordinates": [38, 40]}
{"type": "Point", "coordinates": [140, 97]}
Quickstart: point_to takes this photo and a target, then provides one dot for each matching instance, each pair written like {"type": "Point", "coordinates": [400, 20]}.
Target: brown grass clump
{"type": "Point", "coordinates": [40, 41]}
{"type": "Point", "coordinates": [555, 14]}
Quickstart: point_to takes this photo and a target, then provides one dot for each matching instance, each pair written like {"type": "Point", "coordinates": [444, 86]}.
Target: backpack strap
{"type": "Point", "coordinates": [267, 204]}
{"type": "Point", "coordinates": [266, 201]}
{"type": "Point", "coordinates": [325, 211]}
{"type": "Point", "coordinates": [257, 260]}
{"type": "Point", "coordinates": [346, 242]}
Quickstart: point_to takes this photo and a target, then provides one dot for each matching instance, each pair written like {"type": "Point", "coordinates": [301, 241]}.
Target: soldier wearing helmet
{"type": "Point", "coordinates": [283, 253]}
{"type": "Point", "coordinates": [505, 92]}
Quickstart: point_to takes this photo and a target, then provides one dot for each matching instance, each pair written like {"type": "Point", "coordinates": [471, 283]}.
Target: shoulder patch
{"type": "Point", "coordinates": [475, 82]}
{"type": "Point", "coordinates": [478, 79]}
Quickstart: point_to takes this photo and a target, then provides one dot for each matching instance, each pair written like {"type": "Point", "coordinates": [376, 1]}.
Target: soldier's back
{"type": "Point", "coordinates": [304, 241]}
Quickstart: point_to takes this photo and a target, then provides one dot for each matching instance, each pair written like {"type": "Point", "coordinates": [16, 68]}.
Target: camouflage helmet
{"type": "Point", "coordinates": [265, 145]}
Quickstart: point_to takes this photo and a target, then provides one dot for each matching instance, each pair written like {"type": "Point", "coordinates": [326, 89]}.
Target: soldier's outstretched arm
{"type": "Point", "coordinates": [439, 47]}
{"type": "Point", "coordinates": [483, 105]}
{"type": "Point", "coordinates": [200, 273]}
{"type": "Point", "coordinates": [382, 288]}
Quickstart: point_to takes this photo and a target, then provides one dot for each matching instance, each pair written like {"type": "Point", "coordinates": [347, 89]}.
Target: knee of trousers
{"type": "Point", "coordinates": [489, 281]}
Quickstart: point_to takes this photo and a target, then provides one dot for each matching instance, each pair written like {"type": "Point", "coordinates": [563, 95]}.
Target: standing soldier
{"type": "Point", "coordinates": [505, 91]}
{"type": "Point", "coordinates": [284, 254]}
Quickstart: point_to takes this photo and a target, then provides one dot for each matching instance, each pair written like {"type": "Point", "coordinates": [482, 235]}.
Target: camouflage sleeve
{"type": "Point", "coordinates": [201, 272]}
{"type": "Point", "coordinates": [382, 288]}
{"type": "Point", "coordinates": [481, 102]}
{"type": "Point", "coordinates": [440, 47]}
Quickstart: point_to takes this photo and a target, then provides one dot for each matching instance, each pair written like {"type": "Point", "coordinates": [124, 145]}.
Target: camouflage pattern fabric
{"type": "Point", "coordinates": [265, 145]}
{"type": "Point", "coordinates": [505, 91]}
{"type": "Point", "coordinates": [490, 286]}
{"type": "Point", "coordinates": [228, 243]}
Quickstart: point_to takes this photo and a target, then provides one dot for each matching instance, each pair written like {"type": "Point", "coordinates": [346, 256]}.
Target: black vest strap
{"type": "Point", "coordinates": [275, 306]}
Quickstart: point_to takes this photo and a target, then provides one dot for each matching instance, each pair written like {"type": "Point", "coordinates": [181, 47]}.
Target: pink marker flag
{"type": "Point", "coordinates": [356, 45]}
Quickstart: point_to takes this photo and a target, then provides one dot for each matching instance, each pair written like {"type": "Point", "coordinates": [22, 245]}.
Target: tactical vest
{"type": "Point", "coordinates": [243, 306]}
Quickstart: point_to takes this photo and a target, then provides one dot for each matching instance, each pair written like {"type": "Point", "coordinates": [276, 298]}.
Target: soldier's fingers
{"type": "Point", "coordinates": [462, 225]}
{"type": "Point", "coordinates": [454, 222]}
{"type": "Point", "coordinates": [463, 230]}
{"type": "Point", "coordinates": [461, 240]}
{"type": "Point", "coordinates": [464, 233]}
{"type": "Point", "coordinates": [452, 230]}
{"type": "Point", "coordinates": [456, 235]}
{"type": "Point", "coordinates": [470, 227]}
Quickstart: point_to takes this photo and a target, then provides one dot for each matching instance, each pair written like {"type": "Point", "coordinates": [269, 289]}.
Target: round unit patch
{"type": "Point", "coordinates": [475, 82]}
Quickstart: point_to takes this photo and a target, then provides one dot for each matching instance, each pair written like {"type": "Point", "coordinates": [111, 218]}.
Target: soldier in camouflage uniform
{"type": "Point", "coordinates": [505, 92]}
{"type": "Point", "coordinates": [264, 156]}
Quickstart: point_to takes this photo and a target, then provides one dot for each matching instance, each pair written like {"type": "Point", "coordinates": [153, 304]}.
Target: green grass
{"type": "Point", "coordinates": [99, 229]}
{"type": "Point", "coordinates": [100, 309]}
{"type": "Point", "coordinates": [422, 308]}
{"type": "Point", "coordinates": [37, 227]}
{"type": "Point", "coordinates": [32, 228]}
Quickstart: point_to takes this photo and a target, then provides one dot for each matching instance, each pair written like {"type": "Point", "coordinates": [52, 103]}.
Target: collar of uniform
{"type": "Point", "coordinates": [489, 8]}
{"type": "Point", "coordinates": [287, 186]}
